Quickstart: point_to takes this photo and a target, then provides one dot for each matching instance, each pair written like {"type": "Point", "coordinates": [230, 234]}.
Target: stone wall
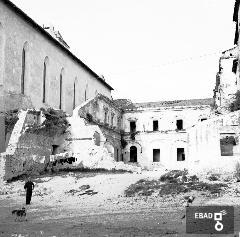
{"type": "Point", "coordinates": [19, 34]}
{"type": "Point", "coordinates": [204, 143]}
{"type": "Point", "coordinates": [27, 53]}
{"type": "Point", "coordinates": [30, 148]}
{"type": "Point", "coordinates": [102, 115]}
{"type": "Point", "coordinates": [167, 138]}
{"type": "Point", "coordinates": [166, 117]}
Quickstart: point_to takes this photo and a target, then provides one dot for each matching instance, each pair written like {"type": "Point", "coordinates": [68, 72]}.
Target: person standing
{"type": "Point", "coordinates": [29, 186]}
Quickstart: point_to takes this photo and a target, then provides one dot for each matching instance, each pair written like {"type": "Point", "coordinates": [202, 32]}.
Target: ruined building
{"type": "Point", "coordinates": [37, 69]}
{"type": "Point", "coordinates": [57, 113]}
{"type": "Point", "coordinates": [228, 77]}
{"type": "Point", "coordinates": [157, 132]}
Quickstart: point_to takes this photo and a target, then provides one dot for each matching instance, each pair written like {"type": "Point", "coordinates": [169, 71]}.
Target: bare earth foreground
{"type": "Point", "coordinates": [91, 204]}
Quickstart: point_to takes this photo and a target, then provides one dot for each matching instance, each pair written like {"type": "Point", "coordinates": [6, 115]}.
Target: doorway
{"type": "Point", "coordinates": [133, 154]}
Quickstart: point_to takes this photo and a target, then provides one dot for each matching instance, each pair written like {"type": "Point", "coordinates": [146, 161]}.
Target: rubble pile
{"type": "Point", "coordinates": [83, 190]}
{"type": "Point", "coordinates": [100, 158]}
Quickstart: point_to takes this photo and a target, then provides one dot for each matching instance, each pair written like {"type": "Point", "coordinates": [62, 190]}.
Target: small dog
{"type": "Point", "coordinates": [20, 214]}
{"type": "Point", "coordinates": [190, 200]}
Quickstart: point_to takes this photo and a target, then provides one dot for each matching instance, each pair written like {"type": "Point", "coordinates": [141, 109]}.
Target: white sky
{"type": "Point", "coordinates": [147, 50]}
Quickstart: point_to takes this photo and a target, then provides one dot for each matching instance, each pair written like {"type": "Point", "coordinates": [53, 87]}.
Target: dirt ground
{"type": "Point", "coordinates": [62, 206]}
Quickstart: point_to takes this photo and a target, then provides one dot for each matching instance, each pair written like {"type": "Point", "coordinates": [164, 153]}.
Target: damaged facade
{"type": "Point", "coordinates": [37, 69]}
{"type": "Point", "coordinates": [96, 130]}
{"type": "Point", "coordinates": [228, 78]}
{"type": "Point", "coordinates": [157, 133]}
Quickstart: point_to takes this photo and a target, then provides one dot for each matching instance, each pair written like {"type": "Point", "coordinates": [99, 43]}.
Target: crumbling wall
{"type": "Point", "coordinates": [205, 141]}
{"type": "Point", "coordinates": [102, 113]}
{"type": "Point", "coordinates": [14, 100]}
{"type": "Point", "coordinates": [31, 143]}
{"type": "Point", "coordinates": [227, 80]}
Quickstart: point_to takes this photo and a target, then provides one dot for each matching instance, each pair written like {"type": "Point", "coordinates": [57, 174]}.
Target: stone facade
{"type": "Point", "coordinates": [157, 133]}
{"type": "Point", "coordinates": [227, 80]}
{"type": "Point", "coordinates": [228, 76]}
{"type": "Point", "coordinates": [102, 112]}
{"type": "Point", "coordinates": [37, 70]}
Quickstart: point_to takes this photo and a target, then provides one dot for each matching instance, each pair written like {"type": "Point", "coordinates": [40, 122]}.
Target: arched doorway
{"type": "Point", "coordinates": [133, 154]}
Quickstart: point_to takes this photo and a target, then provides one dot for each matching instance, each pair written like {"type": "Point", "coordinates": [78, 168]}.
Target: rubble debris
{"type": "Point", "coordinates": [83, 190]}
{"type": "Point", "coordinates": [11, 118]}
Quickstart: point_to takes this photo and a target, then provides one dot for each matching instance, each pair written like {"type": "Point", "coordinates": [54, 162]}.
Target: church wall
{"type": "Point", "coordinates": [19, 35]}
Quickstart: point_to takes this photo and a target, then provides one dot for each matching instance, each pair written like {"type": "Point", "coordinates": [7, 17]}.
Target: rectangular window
{"type": "Point", "coordinates": [179, 124]}
{"type": "Point", "coordinates": [55, 149]}
{"type": "Point", "coordinates": [155, 125]}
{"type": "Point", "coordinates": [132, 126]}
{"type": "Point", "coordinates": [156, 155]}
{"type": "Point", "coordinates": [235, 66]}
{"type": "Point", "coordinates": [112, 118]}
{"type": "Point", "coordinates": [227, 145]}
{"type": "Point", "coordinates": [180, 154]}
{"type": "Point", "coordinates": [119, 122]}
{"type": "Point", "coordinates": [105, 116]}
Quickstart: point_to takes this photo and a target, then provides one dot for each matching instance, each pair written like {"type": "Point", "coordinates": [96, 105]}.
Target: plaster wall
{"type": "Point", "coordinates": [17, 34]}
{"type": "Point", "coordinates": [166, 118]}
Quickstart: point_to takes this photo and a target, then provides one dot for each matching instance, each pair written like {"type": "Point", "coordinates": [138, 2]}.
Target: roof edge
{"type": "Point", "coordinates": [58, 44]}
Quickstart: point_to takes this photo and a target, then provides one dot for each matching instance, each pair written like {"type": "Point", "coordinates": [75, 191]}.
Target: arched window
{"type": "Point", "coordinates": [133, 154]}
{"type": "Point", "coordinates": [44, 81]}
{"type": "Point", "coordinates": [45, 92]}
{"type": "Point", "coordinates": [2, 47]}
{"type": "Point", "coordinates": [86, 93]}
{"type": "Point", "coordinates": [74, 94]}
{"type": "Point", "coordinates": [60, 90]}
{"type": "Point", "coordinates": [23, 71]}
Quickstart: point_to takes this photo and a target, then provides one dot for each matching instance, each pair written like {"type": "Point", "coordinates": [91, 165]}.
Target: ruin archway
{"type": "Point", "coordinates": [133, 154]}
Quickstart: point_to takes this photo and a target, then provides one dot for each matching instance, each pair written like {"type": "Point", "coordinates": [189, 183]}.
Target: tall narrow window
{"type": "Point", "coordinates": [86, 93]}
{"type": "Point", "coordinates": [119, 123]}
{"type": "Point", "coordinates": [179, 124]}
{"type": "Point", "coordinates": [105, 115]}
{"type": "Point", "coordinates": [23, 71]}
{"type": "Point", "coordinates": [180, 154]}
{"type": "Point", "coordinates": [44, 82]}
{"type": "Point", "coordinates": [156, 155]}
{"type": "Point", "coordinates": [112, 118]}
{"type": "Point", "coordinates": [132, 126]}
{"type": "Point", "coordinates": [74, 95]}
{"type": "Point", "coordinates": [133, 154]}
{"type": "Point", "coordinates": [155, 125]}
{"type": "Point", "coordinates": [60, 90]}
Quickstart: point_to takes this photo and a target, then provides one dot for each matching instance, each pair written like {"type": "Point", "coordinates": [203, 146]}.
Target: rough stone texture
{"type": "Point", "coordinates": [28, 151]}
{"type": "Point", "coordinates": [107, 116]}
{"type": "Point", "coordinates": [227, 84]}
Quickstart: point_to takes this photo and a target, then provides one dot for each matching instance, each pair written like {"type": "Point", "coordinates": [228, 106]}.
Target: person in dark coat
{"type": "Point", "coordinates": [29, 186]}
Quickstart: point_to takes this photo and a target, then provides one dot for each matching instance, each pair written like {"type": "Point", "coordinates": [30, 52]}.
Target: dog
{"type": "Point", "coordinates": [190, 200]}
{"type": "Point", "coordinates": [20, 214]}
